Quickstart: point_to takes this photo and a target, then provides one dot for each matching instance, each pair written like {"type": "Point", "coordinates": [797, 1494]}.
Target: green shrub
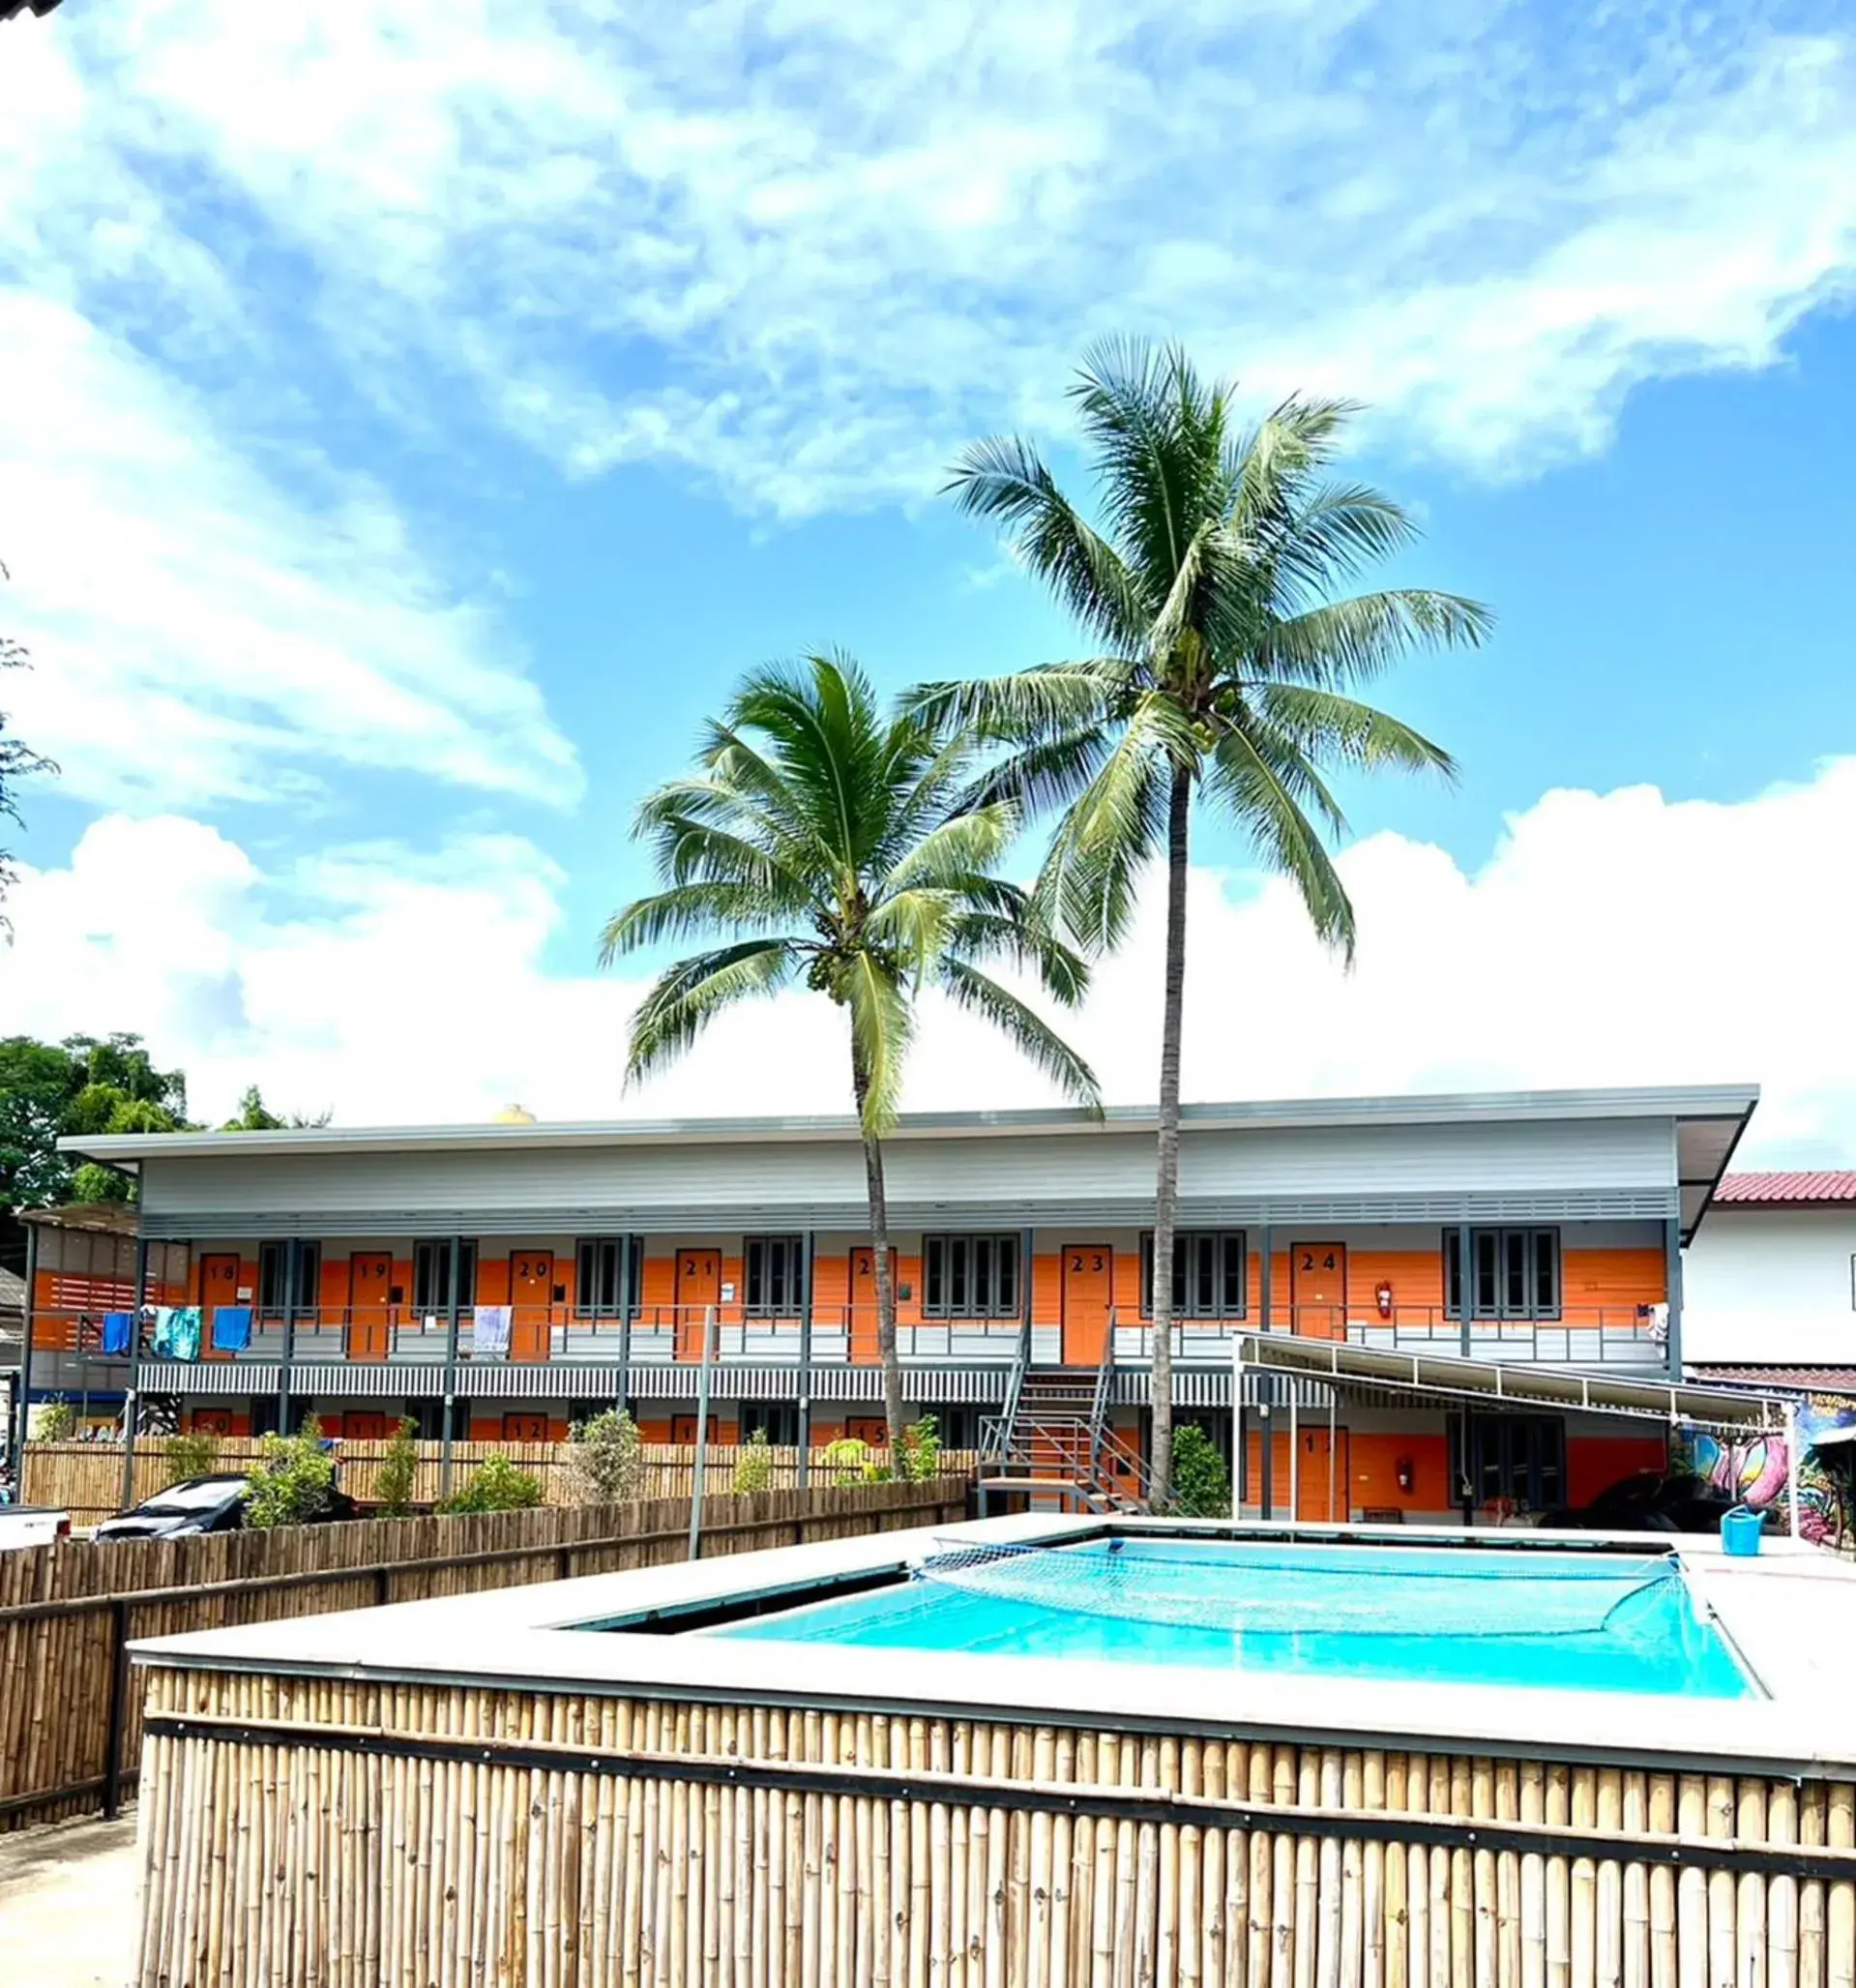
{"type": "Point", "coordinates": [398, 1472]}
{"type": "Point", "coordinates": [496, 1485]}
{"type": "Point", "coordinates": [57, 1421]}
{"type": "Point", "coordinates": [295, 1482]}
{"type": "Point", "coordinates": [849, 1460]}
{"type": "Point", "coordinates": [1201, 1484]}
{"type": "Point", "coordinates": [754, 1466]}
{"type": "Point", "coordinates": [920, 1456]}
{"type": "Point", "coordinates": [603, 1459]}
{"type": "Point", "coordinates": [193, 1456]}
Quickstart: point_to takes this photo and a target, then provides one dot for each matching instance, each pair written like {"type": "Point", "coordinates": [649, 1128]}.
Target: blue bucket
{"type": "Point", "coordinates": [1740, 1531]}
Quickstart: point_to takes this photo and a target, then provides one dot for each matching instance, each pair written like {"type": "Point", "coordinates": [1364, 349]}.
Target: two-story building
{"type": "Point", "coordinates": [504, 1280]}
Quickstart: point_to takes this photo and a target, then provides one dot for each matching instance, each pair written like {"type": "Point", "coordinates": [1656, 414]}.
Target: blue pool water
{"type": "Point", "coordinates": [1569, 1622]}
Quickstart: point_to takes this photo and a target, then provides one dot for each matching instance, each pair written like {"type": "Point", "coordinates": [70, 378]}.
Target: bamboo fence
{"type": "Point", "coordinates": [71, 1726]}
{"type": "Point", "coordinates": [337, 1832]}
{"type": "Point", "coordinates": [86, 1478]}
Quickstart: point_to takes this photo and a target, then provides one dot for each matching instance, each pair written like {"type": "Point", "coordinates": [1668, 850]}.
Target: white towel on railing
{"type": "Point", "coordinates": [490, 1333]}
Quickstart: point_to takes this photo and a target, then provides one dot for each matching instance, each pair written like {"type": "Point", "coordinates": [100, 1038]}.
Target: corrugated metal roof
{"type": "Point", "coordinates": [1796, 1188]}
{"type": "Point", "coordinates": [1802, 1379]}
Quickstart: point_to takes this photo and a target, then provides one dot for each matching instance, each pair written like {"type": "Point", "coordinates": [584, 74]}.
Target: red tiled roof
{"type": "Point", "coordinates": [1744, 1188]}
{"type": "Point", "coordinates": [1806, 1380]}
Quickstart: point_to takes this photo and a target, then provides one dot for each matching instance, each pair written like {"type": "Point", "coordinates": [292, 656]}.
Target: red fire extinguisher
{"type": "Point", "coordinates": [1382, 1296]}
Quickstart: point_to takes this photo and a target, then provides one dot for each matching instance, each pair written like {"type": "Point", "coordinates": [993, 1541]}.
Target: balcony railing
{"type": "Point", "coordinates": [655, 1335]}
{"type": "Point", "coordinates": [1580, 1336]}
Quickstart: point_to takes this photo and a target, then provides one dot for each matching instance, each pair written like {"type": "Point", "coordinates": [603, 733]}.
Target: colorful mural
{"type": "Point", "coordinates": [1756, 1472]}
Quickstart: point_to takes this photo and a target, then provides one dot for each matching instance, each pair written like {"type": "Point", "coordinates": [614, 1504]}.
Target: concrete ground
{"type": "Point", "coordinates": [68, 1904]}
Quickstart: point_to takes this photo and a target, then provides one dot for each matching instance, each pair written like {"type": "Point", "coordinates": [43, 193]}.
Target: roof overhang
{"type": "Point", "coordinates": [1709, 1121]}
{"type": "Point", "coordinates": [1440, 1381]}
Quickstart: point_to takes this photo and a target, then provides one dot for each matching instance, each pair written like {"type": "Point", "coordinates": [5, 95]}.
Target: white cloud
{"type": "Point", "coordinates": [801, 248]}
{"type": "Point", "coordinates": [1615, 939]}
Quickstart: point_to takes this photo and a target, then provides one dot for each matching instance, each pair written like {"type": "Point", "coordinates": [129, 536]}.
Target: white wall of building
{"type": "Point", "coordinates": [1772, 1285]}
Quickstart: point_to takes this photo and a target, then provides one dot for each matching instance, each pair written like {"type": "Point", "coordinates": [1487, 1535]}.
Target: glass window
{"type": "Point", "coordinates": [1209, 1274]}
{"type": "Point", "coordinates": [970, 1276]}
{"type": "Point", "coordinates": [1519, 1459]}
{"type": "Point", "coordinates": [605, 1263]}
{"type": "Point", "coordinates": [776, 1275]}
{"type": "Point", "coordinates": [432, 1275]}
{"type": "Point", "coordinates": [292, 1270]}
{"type": "Point", "coordinates": [780, 1419]}
{"type": "Point", "coordinates": [1516, 1273]}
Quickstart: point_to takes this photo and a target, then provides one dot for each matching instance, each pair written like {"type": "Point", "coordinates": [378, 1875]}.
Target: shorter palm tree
{"type": "Point", "coordinates": [824, 842]}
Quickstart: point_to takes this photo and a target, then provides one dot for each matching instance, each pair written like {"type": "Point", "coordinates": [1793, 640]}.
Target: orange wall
{"type": "Point", "coordinates": [1621, 1278]}
{"type": "Point", "coordinates": [1374, 1473]}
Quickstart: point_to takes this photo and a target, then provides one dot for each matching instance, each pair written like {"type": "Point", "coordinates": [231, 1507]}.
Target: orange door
{"type": "Point", "coordinates": [1318, 1288]}
{"type": "Point", "coordinates": [863, 1321]}
{"type": "Point", "coordinates": [683, 1429]}
{"type": "Point", "coordinates": [870, 1429]}
{"type": "Point", "coordinates": [364, 1424]}
{"type": "Point", "coordinates": [218, 1285]}
{"type": "Point", "coordinates": [1088, 1290]}
{"type": "Point", "coordinates": [212, 1421]}
{"type": "Point", "coordinates": [1319, 1496]}
{"type": "Point", "coordinates": [698, 1286]}
{"type": "Point", "coordinates": [521, 1426]}
{"type": "Point", "coordinates": [369, 1318]}
{"type": "Point", "coordinates": [531, 1293]}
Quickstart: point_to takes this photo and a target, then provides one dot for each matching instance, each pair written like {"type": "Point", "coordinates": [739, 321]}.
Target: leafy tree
{"type": "Point", "coordinates": [296, 1480]}
{"type": "Point", "coordinates": [254, 1114]}
{"type": "Point", "coordinates": [1220, 669]}
{"type": "Point", "coordinates": [398, 1472]}
{"type": "Point", "coordinates": [84, 1086]}
{"type": "Point", "coordinates": [18, 762]}
{"type": "Point", "coordinates": [754, 1465]}
{"type": "Point", "coordinates": [849, 1460]}
{"type": "Point", "coordinates": [1201, 1487]}
{"type": "Point", "coordinates": [94, 1182]}
{"type": "Point", "coordinates": [57, 1421]}
{"type": "Point", "coordinates": [918, 1457]}
{"type": "Point", "coordinates": [829, 846]}
{"type": "Point", "coordinates": [603, 1459]}
{"type": "Point", "coordinates": [194, 1455]}
{"type": "Point", "coordinates": [496, 1485]}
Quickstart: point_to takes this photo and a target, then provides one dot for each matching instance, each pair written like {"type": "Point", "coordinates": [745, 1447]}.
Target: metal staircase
{"type": "Point", "coordinates": [1055, 1439]}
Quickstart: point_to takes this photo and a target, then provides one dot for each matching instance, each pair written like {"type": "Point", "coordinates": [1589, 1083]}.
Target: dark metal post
{"type": "Point", "coordinates": [1266, 1490]}
{"type": "Point", "coordinates": [1241, 1461]}
{"type": "Point", "coordinates": [130, 1390]}
{"type": "Point", "coordinates": [699, 1476]}
{"type": "Point", "coordinates": [24, 1414]}
{"type": "Point", "coordinates": [453, 1299]}
{"type": "Point", "coordinates": [1266, 1280]}
{"type": "Point", "coordinates": [292, 1268]}
{"type": "Point", "coordinates": [803, 1465]}
{"type": "Point", "coordinates": [1672, 1247]}
{"type": "Point", "coordinates": [1465, 1286]}
{"type": "Point", "coordinates": [625, 1321]}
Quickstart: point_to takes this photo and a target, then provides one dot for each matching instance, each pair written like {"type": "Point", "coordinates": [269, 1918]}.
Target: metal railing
{"type": "Point", "coordinates": [1578, 1335]}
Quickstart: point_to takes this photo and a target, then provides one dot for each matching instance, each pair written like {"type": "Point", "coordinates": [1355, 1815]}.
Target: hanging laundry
{"type": "Point", "coordinates": [117, 1328]}
{"type": "Point", "coordinates": [183, 1332]}
{"type": "Point", "coordinates": [231, 1328]}
{"type": "Point", "coordinates": [162, 1343]}
{"type": "Point", "coordinates": [490, 1329]}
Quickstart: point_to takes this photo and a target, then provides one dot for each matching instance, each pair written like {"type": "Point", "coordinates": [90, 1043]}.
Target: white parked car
{"type": "Point", "coordinates": [32, 1526]}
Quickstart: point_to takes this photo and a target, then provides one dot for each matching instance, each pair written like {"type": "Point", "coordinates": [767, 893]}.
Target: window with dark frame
{"type": "Point", "coordinates": [970, 1276]}
{"type": "Point", "coordinates": [1515, 1273]}
{"type": "Point", "coordinates": [780, 1419]}
{"type": "Point", "coordinates": [1210, 1274]}
{"type": "Point", "coordinates": [604, 1286]}
{"type": "Point", "coordinates": [776, 1275]}
{"type": "Point", "coordinates": [432, 1275]}
{"type": "Point", "coordinates": [289, 1271]}
{"type": "Point", "coordinates": [1519, 1459]}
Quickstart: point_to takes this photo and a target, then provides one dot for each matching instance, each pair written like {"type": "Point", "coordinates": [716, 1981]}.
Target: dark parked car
{"type": "Point", "coordinates": [1648, 1504]}
{"type": "Point", "coordinates": [204, 1504]}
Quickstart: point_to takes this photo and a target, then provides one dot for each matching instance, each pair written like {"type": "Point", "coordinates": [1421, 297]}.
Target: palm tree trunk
{"type": "Point", "coordinates": [894, 1414]}
{"type": "Point", "coordinates": [1166, 1191]}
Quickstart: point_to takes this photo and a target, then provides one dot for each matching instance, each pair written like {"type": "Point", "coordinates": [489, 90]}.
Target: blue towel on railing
{"type": "Point", "coordinates": [117, 1328]}
{"type": "Point", "coordinates": [231, 1328]}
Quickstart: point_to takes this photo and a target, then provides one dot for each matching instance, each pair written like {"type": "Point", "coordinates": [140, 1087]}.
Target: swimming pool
{"type": "Point", "coordinates": [1587, 1620]}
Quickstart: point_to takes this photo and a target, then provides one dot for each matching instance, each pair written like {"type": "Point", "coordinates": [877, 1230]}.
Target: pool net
{"type": "Point", "coordinates": [1259, 1590]}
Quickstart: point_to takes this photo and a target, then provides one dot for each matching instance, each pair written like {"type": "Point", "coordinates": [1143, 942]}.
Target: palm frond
{"type": "Point", "coordinates": [1353, 641]}
{"type": "Point", "coordinates": [959, 846]}
{"type": "Point", "coordinates": [689, 995]}
{"type": "Point", "coordinates": [1030, 705]}
{"type": "Point", "coordinates": [1004, 481]}
{"type": "Point", "coordinates": [882, 1028]}
{"type": "Point", "coordinates": [686, 910]}
{"type": "Point", "coordinates": [1022, 941]}
{"type": "Point", "coordinates": [1262, 796]}
{"type": "Point", "coordinates": [1034, 1037]}
{"type": "Point", "coordinates": [1326, 725]}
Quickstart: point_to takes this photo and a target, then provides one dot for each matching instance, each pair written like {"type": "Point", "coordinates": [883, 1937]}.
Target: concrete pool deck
{"type": "Point", "coordinates": [1790, 1613]}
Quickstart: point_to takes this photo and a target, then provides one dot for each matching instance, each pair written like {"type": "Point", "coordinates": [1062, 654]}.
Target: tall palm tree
{"type": "Point", "coordinates": [827, 843]}
{"type": "Point", "coordinates": [1222, 665]}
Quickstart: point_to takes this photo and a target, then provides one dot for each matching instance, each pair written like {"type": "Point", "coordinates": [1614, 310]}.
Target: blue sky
{"type": "Point", "coordinates": [416, 422]}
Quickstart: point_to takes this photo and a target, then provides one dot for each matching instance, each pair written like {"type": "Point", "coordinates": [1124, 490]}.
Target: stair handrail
{"type": "Point", "coordinates": [1013, 1389]}
{"type": "Point", "coordinates": [1105, 1379]}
